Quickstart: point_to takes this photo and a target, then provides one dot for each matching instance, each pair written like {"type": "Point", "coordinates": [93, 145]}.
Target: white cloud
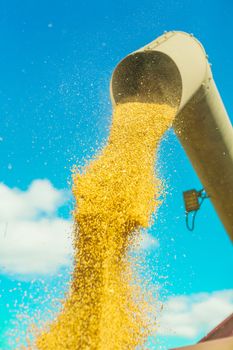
{"type": "Point", "coordinates": [145, 241]}
{"type": "Point", "coordinates": [40, 198]}
{"type": "Point", "coordinates": [194, 315]}
{"type": "Point", "coordinates": [33, 239]}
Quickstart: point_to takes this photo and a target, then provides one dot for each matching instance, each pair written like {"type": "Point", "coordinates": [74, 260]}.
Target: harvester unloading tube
{"type": "Point", "coordinates": [174, 69]}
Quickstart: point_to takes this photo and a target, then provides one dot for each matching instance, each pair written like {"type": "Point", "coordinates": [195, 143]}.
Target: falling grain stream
{"type": "Point", "coordinates": [115, 196]}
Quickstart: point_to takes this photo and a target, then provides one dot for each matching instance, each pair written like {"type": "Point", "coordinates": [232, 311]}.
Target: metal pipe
{"type": "Point", "coordinates": [174, 69]}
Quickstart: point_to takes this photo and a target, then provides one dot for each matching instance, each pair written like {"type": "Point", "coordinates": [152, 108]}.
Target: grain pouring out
{"type": "Point", "coordinates": [116, 195]}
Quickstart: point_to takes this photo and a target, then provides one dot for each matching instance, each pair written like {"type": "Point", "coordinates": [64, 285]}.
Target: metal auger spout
{"type": "Point", "coordinates": [174, 69]}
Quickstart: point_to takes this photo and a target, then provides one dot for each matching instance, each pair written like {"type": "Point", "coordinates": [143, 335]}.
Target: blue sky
{"type": "Point", "coordinates": [56, 61]}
